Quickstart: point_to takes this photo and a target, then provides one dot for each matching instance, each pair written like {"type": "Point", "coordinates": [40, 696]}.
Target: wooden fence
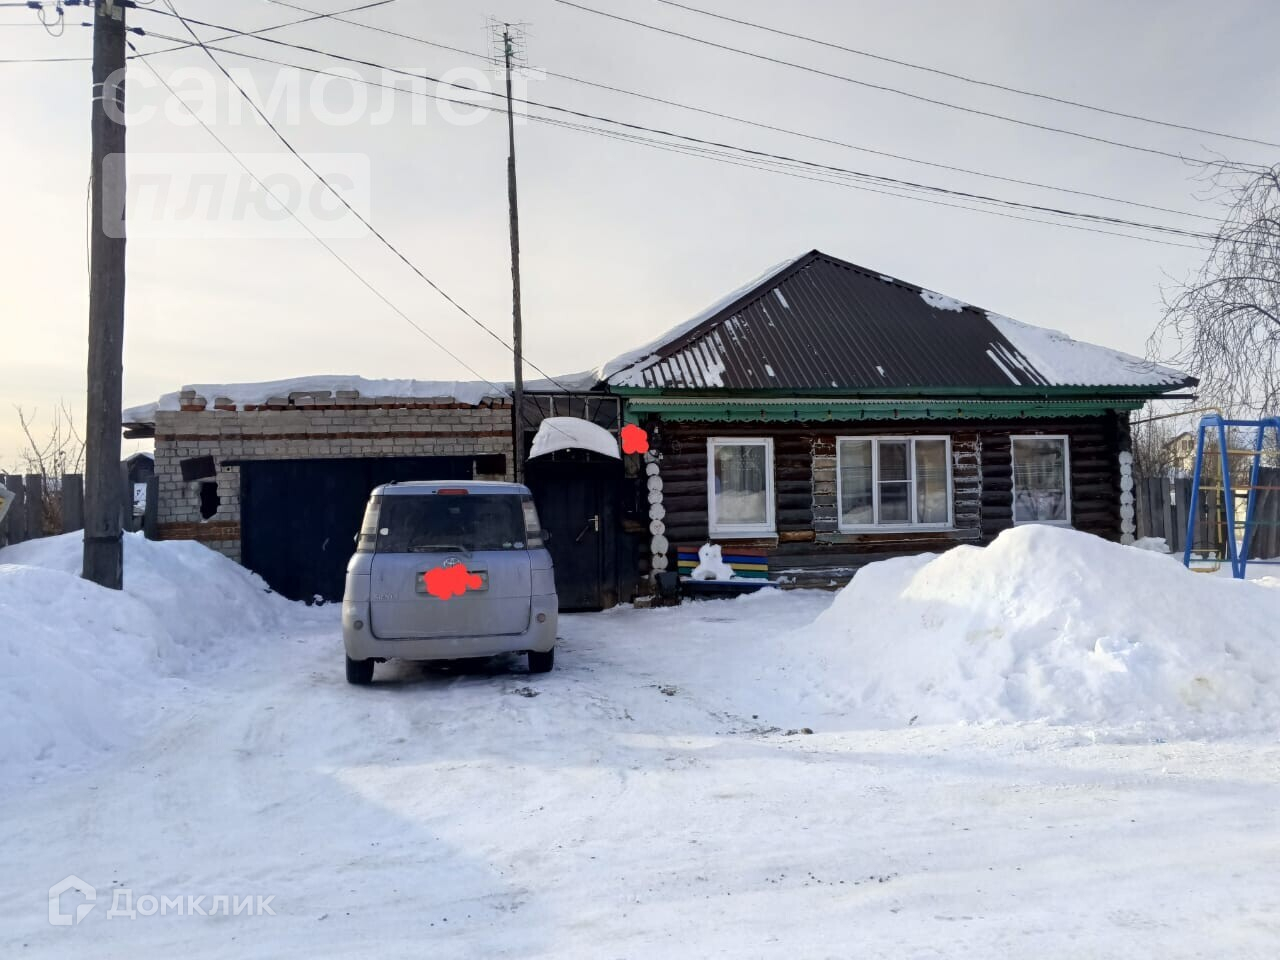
{"type": "Point", "coordinates": [1162, 504]}
{"type": "Point", "coordinates": [43, 507]}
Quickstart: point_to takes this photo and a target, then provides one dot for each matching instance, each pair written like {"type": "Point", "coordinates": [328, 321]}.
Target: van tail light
{"type": "Point", "coordinates": [451, 492]}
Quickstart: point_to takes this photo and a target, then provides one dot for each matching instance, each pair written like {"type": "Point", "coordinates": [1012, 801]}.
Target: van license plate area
{"type": "Point", "coordinates": [420, 582]}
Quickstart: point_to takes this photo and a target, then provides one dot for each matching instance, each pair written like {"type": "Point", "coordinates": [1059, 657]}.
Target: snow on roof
{"type": "Point", "coordinates": [940, 301]}
{"type": "Point", "coordinates": [566, 433]}
{"type": "Point", "coordinates": [1062, 361]}
{"type": "Point", "coordinates": [470, 392]}
{"type": "Point", "coordinates": [634, 361]}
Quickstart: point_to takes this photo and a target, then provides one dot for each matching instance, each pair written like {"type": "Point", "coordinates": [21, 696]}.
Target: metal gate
{"type": "Point", "coordinates": [299, 517]}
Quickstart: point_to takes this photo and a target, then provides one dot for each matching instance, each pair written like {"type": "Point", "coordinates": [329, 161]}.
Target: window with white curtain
{"type": "Point", "coordinates": [893, 482]}
{"type": "Point", "coordinates": [740, 486]}
{"type": "Point", "coordinates": [1041, 480]}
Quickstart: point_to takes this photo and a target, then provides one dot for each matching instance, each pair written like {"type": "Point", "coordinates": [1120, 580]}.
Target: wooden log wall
{"type": "Point", "coordinates": [805, 485]}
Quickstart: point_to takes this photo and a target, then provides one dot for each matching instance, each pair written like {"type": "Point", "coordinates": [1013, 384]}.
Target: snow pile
{"type": "Point", "coordinates": [84, 669]}
{"type": "Point", "coordinates": [471, 392]}
{"type": "Point", "coordinates": [1051, 624]}
{"type": "Point", "coordinates": [568, 433]}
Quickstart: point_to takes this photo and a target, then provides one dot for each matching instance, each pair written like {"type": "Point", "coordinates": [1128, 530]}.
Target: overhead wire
{"type": "Point", "coordinates": [749, 163]}
{"type": "Point", "coordinates": [878, 178]}
{"type": "Point", "coordinates": [966, 79]}
{"type": "Point", "coordinates": [885, 88]}
{"type": "Point", "coordinates": [341, 199]}
{"type": "Point", "coordinates": [759, 124]}
{"type": "Point", "coordinates": [502, 391]}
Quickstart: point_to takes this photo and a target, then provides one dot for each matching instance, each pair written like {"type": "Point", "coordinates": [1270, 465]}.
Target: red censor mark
{"type": "Point", "coordinates": [634, 439]}
{"type": "Point", "coordinates": [448, 582]}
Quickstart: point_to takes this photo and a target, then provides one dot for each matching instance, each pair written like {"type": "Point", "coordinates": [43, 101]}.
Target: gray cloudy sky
{"type": "Point", "coordinates": [620, 240]}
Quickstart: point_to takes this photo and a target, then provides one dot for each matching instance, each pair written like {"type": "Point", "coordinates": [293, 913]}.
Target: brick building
{"type": "Point", "coordinates": [272, 475]}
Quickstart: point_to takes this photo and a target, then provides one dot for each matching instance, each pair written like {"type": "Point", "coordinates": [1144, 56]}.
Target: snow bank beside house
{"type": "Point", "coordinates": [461, 391]}
{"type": "Point", "coordinates": [1051, 624]}
{"type": "Point", "coordinates": [83, 669]}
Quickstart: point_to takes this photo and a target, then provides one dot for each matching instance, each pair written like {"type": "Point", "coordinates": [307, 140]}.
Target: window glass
{"type": "Point", "coordinates": [931, 481]}
{"type": "Point", "coordinates": [856, 494]}
{"type": "Point", "coordinates": [893, 481]}
{"type": "Point", "coordinates": [1040, 480]}
{"type": "Point", "coordinates": [438, 523]}
{"type": "Point", "coordinates": [740, 477]}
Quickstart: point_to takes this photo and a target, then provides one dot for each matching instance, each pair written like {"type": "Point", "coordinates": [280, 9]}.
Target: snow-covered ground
{"type": "Point", "coordinates": [656, 795]}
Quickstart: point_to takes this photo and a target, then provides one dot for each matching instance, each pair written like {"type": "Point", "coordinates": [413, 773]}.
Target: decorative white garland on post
{"type": "Point", "coordinates": [1127, 526]}
{"type": "Point", "coordinates": [657, 529]}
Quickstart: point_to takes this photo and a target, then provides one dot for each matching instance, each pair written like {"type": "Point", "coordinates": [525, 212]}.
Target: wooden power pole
{"type": "Point", "coordinates": [103, 548]}
{"type": "Point", "coordinates": [517, 413]}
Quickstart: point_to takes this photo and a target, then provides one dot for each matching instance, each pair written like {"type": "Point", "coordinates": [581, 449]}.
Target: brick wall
{"type": "Point", "coordinates": [310, 429]}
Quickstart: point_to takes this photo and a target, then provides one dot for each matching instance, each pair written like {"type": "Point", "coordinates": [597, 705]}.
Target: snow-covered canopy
{"type": "Point", "coordinates": [573, 433]}
{"type": "Point", "coordinates": [240, 394]}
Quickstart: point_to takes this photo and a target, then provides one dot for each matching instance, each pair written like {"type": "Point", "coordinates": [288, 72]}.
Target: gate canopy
{"type": "Point", "coordinates": [569, 433]}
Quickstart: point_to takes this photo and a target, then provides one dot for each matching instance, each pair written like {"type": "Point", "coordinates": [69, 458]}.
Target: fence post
{"type": "Point", "coordinates": [17, 512]}
{"type": "Point", "coordinates": [72, 502]}
{"type": "Point", "coordinates": [1177, 501]}
{"type": "Point", "coordinates": [5, 539]}
{"type": "Point", "coordinates": [35, 506]}
{"type": "Point", "coordinates": [152, 513]}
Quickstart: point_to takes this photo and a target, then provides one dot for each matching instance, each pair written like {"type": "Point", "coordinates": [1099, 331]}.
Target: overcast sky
{"type": "Point", "coordinates": [620, 240]}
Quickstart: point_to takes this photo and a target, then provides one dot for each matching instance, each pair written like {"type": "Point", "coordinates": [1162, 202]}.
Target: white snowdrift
{"type": "Point", "coordinates": [1057, 625]}
{"type": "Point", "coordinates": [83, 669]}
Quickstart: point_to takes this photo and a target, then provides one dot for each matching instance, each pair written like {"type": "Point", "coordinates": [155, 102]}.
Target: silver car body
{"type": "Point", "coordinates": [387, 609]}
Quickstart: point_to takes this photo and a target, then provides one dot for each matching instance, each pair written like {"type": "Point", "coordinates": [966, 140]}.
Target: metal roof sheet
{"type": "Point", "coordinates": [822, 324]}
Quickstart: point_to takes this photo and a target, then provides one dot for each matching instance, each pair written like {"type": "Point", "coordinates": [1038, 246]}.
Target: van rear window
{"type": "Point", "coordinates": [440, 524]}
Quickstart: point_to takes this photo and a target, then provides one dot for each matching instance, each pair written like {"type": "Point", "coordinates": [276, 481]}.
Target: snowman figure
{"type": "Point", "coordinates": [711, 565]}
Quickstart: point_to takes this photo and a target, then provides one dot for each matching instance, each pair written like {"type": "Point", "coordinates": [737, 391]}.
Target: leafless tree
{"type": "Point", "coordinates": [1152, 454]}
{"type": "Point", "coordinates": [59, 451]}
{"type": "Point", "coordinates": [1223, 324]}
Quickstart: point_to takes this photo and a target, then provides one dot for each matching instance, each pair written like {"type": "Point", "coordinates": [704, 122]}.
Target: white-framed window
{"type": "Point", "coordinates": [740, 486]}
{"type": "Point", "coordinates": [1041, 479]}
{"type": "Point", "coordinates": [901, 483]}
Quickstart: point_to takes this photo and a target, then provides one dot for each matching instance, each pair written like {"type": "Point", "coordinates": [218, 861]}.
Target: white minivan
{"type": "Point", "coordinates": [447, 570]}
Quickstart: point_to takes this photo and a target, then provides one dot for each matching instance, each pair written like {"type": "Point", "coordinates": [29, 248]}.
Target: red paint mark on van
{"type": "Point", "coordinates": [634, 439]}
{"type": "Point", "coordinates": [447, 582]}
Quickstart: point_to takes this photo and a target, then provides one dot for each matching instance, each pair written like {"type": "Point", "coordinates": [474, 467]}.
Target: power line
{"type": "Point", "coordinates": [791, 172]}
{"type": "Point", "coordinates": [829, 168]}
{"type": "Point", "coordinates": [315, 236]}
{"type": "Point", "coordinates": [341, 199]}
{"type": "Point", "coordinates": [877, 178]}
{"type": "Point", "coordinates": [707, 153]}
{"type": "Point", "coordinates": [966, 79]}
{"type": "Point", "coordinates": [882, 87]}
{"type": "Point", "coordinates": [767, 126]}
{"type": "Point", "coordinates": [137, 55]}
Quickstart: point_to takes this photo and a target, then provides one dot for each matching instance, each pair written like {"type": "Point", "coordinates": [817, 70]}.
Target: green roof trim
{"type": "Point", "coordinates": [779, 410]}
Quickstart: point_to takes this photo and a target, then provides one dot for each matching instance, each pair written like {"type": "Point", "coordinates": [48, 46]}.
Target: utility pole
{"type": "Point", "coordinates": [517, 412]}
{"type": "Point", "coordinates": [103, 549]}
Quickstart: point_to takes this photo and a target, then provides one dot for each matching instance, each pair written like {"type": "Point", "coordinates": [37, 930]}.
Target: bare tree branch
{"type": "Point", "coordinates": [1223, 325]}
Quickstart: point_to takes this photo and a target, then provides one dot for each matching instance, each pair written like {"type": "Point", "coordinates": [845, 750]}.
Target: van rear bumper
{"type": "Point", "coordinates": [361, 644]}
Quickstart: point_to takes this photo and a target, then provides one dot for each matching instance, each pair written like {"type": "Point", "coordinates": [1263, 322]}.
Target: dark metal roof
{"type": "Point", "coordinates": [822, 324]}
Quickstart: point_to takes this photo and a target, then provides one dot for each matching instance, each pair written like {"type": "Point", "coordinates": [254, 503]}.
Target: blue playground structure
{"type": "Point", "coordinates": [1233, 537]}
